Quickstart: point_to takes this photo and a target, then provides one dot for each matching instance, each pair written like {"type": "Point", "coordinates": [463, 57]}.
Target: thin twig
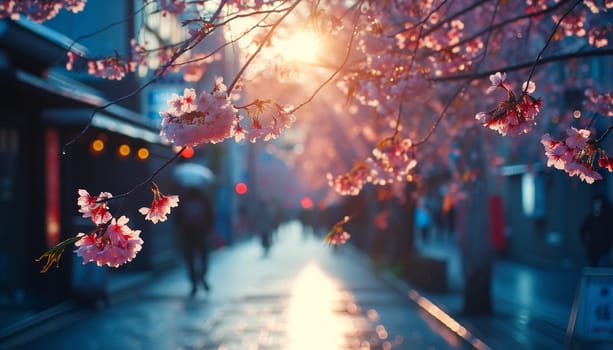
{"type": "Point", "coordinates": [462, 88]}
{"type": "Point", "coordinates": [420, 22]}
{"type": "Point", "coordinates": [339, 68]}
{"type": "Point", "coordinates": [476, 75]}
{"type": "Point", "coordinates": [151, 177]}
{"type": "Point", "coordinates": [553, 32]}
{"type": "Point", "coordinates": [158, 74]}
{"type": "Point", "coordinates": [503, 24]}
{"type": "Point", "coordinates": [260, 46]}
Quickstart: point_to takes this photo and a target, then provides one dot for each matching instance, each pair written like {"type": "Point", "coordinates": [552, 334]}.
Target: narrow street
{"type": "Point", "coordinates": [303, 295]}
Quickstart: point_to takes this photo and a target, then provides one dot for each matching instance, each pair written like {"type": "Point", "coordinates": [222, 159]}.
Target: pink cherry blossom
{"type": "Point", "coordinates": [352, 182]}
{"type": "Point", "coordinates": [160, 206]}
{"type": "Point", "coordinates": [597, 6]}
{"type": "Point", "coordinates": [605, 162]}
{"type": "Point", "coordinates": [259, 132]}
{"type": "Point", "coordinates": [182, 104]}
{"type": "Point", "coordinates": [496, 80]}
{"type": "Point", "coordinates": [577, 138]}
{"type": "Point", "coordinates": [601, 103]}
{"type": "Point", "coordinates": [113, 245]}
{"type": "Point", "coordinates": [138, 53]}
{"type": "Point", "coordinates": [584, 170]}
{"type": "Point", "coordinates": [239, 132]}
{"type": "Point", "coordinates": [573, 24]}
{"type": "Point", "coordinates": [575, 154]}
{"type": "Point", "coordinates": [212, 120]}
{"type": "Point", "coordinates": [557, 152]}
{"type": "Point", "coordinates": [268, 119]}
{"type": "Point", "coordinates": [528, 87]}
{"type": "Point", "coordinates": [72, 57]}
{"type": "Point", "coordinates": [111, 68]}
{"type": "Point", "coordinates": [393, 160]}
{"type": "Point", "coordinates": [337, 234]}
{"type": "Point", "coordinates": [94, 207]}
{"type": "Point", "coordinates": [173, 6]}
{"type": "Point", "coordinates": [512, 116]}
{"type": "Point", "coordinates": [597, 36]}
{"type": "Point", "coordinates": [36, 10]}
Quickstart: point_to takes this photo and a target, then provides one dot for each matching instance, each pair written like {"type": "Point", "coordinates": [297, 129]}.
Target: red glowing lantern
{"type": "Point", "coordinates": [240, 188]}
{"type": "Point", "coordinates": [188, 152]}
{"type": "Point", "coordinates": [306, 202]}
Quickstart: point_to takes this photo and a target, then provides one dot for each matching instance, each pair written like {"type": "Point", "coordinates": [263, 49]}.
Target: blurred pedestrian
{"type": "Point", "coordinates": [264, 224]}
{"type": "Point", "coordinates": [596, 232]}
{"type": "Point", "coordinates": [195, 223]}
{"type": "Point", "coordinates": [423, 221]}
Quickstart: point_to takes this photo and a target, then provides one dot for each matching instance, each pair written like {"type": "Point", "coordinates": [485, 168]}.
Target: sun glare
{"type": "Point", "coordinates": [311, 320]}
{"type": "Point", "coordinates": [301, 46]}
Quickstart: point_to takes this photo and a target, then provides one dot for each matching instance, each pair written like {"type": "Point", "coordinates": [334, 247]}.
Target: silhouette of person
{"type": "Point", "coordinates": [195, 221]}
{"type": "Point", "coordinates": [264, 225]}
{"type": "Point", "coordinates": [596, 232]}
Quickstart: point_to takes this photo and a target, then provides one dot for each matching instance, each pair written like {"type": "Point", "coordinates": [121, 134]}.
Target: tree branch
{"type": "Point", "coordinates": [520, 66]}
{"type": "Point", "coordinates": [264, 41]}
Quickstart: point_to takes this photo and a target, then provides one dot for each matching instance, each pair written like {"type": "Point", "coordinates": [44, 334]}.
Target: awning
{"type": "Point", "coordinates": [79, 102]}
{"type": "Point", "coordinates": [33, 49]}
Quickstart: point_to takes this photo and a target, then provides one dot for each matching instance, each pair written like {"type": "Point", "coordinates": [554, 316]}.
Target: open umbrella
{"type": "Point", "coordinates": [192, 175]}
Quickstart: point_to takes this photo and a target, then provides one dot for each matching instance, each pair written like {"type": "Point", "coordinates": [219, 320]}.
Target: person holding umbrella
{"type": "Point", "coordinates": [194, 218]}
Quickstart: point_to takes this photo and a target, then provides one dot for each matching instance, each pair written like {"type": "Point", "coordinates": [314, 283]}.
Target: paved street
{"type": "Point", "coordinates": [303, 295]}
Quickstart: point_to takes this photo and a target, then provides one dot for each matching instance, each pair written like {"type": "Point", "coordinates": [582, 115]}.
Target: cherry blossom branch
{"type": "Point", "coordinates": [228, 42]}
{"type": "Point", "coordinates": [520, 66]}
{"type": "Point", "coordinates": [503, 24]}
{"type": "Point", "coordinates": [109, 26]}
{"type": "Point", "coordinates": [158, 74]}
{"type": "Point", "coordinates": [419, 36]}
{"type": "Point", "coordinates": [455, 15]}
{"type": "Point", "coordinates": [598, 140]}
{"type": "Point", "coordinates": [261, 45]}
{"type": "Point", "coordinates": [277, 9]}
{"type": "Point", "coordinates": [420, 22]}
{"type": "Point", "coordinates": [150, 178]}
{"type": "Point", "coordinates": [464, 86]}
{"type": "Point", "coordinates": [553, 32]}
{"type": "Point", "coordinates": [442, 114]}
{"type": "Point", "coordinates": [397, 128]}
{"type": "Point", "coordinates": [220, 24]}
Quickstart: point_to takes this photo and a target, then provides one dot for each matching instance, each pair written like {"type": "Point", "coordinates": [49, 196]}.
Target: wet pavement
{"type": "Point", "coordinates": [304, 295]}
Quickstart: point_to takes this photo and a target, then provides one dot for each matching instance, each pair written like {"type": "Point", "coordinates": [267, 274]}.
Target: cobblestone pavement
{"type": "Point", "coordinates": [304, 295]}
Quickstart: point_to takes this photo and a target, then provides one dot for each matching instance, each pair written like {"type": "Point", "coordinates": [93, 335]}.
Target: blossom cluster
{"type": "Point", "coordinates": [211, 117]}
{"type": "Point", "coordinates": [160, 206]}
{"type": "Point", "coordinates": [601, 103]}
{"type": "Point", "coordinates": [352, 182]}
{"type": "Point", "coordinates": [111, 68]}
{"type": "Point", "coordinates": [38, 10]}
{"type": "Point", "coordinates": [392, 161]}
{"type": "Point", "coordinates": [116, 246]}
{"type": "Point", "coordinates": [577, 154]}
{"type": "Point", "coordinates": [111, 242]}
{"type": "Point", "coordinates": [337, 234]}
{"type": "Point", "coordinates": [597, 36]}
{"type": "Point", "coordinates": [513, 116]}
{"type": "Point", "coordinates": [192, 120]}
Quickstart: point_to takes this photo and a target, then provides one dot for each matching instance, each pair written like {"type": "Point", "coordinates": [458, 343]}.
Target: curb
{"type": "Point", "coordinates": [42, 322]}
{"type": "Point", "coordinates": [428, 306]}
